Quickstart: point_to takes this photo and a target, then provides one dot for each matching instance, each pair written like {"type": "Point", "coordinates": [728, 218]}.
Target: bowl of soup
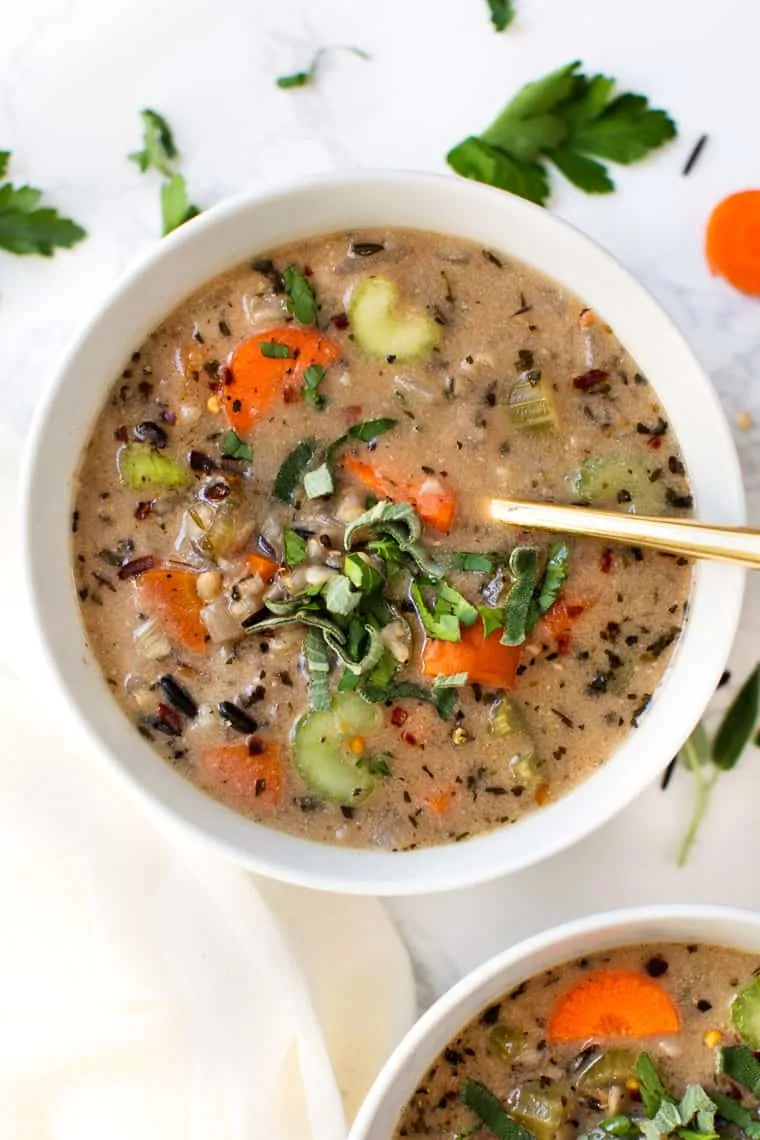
{"type": "Point", "coordinates": [636, 1023]}
{"type": "Point", "coordinates": [261, 558]}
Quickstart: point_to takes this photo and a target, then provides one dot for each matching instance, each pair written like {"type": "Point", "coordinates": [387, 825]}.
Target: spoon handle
{"type": "Point", "coordinates": [739, 545]}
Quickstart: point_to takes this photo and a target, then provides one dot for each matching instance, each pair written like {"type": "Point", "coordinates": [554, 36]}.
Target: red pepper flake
{"type": "Point", "coordinates": [564, 641]}
{"type": "Point", "coordinates": [143, 509]}
{"type": "Point", "coordinates": [353, 413]}
{"type": "Point", "coordinates": [655, 442]}
{"type": "Point", "coordinates": [136, 566]}
{"type": "Point", "coordinates": [121, 434]}
{"type": "Point", "coordinates": [225, 375]}
{"type": "Point", "coordinates": [590, 379]}
{"type": "Point", "coordinates": [409, 738]}
{"type": "Point", "coordinates": [399, 716]}
{"type": "Point", "coordinates": [289, 395]}
{"type": "Point", "coordinates": [255, 746]}
{"type": "Point", "coordinates": [145, 388]}
{"type": "Point", "coordinates": [308, 271]}
{"type": "Point", "coordinates": [168, 717]}
{"type": "Point", "coordinates": [605, 561]}
{"type": "Point", "coordinates": [339, 320]}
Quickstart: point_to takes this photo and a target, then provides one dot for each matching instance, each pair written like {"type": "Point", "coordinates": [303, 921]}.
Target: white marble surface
{"type": "Point", "coordinates": [73, 75]}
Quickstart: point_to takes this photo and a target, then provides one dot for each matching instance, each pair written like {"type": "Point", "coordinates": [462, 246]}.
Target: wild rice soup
{"type": "Point", "coordinates": [646, 1041]}
{"type": "Point", "coordinates": [285, 565]}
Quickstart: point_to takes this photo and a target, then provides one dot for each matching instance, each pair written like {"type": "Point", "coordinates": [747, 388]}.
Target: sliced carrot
{"type": "Point", "coordinates": [254, 777]}
{"type": "Point", "coordinates": [613, 1003]}
{"type": "Point", "coordinates": [732, 245]}
{"type": "Point", "coordinates": [559, 620]}
{"type": "Point", "coordinates": [171, 597]}
{"type": "Point", "coordinates": [258, 564]}
{"type": "Point", "coordinates": [434, 500]}
{"type": "Point", "coordinates": [439, 801]}
{"type": "Point", "coordinates": [483, 658]}
{"type": "Point", "coordinates": [254, 381]}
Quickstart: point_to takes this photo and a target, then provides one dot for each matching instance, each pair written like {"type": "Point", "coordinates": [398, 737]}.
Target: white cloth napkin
{"type": "Point", "coordinates": [150, 989]}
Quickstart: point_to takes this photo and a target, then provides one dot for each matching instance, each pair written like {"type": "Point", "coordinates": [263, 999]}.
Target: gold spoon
{"type": "Point", "coordinates": [736, 544]}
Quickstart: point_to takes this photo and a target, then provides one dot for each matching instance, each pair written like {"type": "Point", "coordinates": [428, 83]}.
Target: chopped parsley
{"type": "Point", "coordinates": [233, 447]}
{"type": "Point", "coordinates": [160, 153]}
{"type": "Point", "coordinates": [176, 207]}
{"type": "Point", "coordinates": [305, 78]}
{"type": "Point", "coordinates": [571, 120]}
{"type": "Point", "coordinates": [274, 350]}
{"type": "Point", "coordinates": [26, 226]}
{"type": "Point", "coordinates": [312, 378]}
{"type": "Point", "coordinates": [502, 13]}
{"type": "Point", "coordinates": [294, 547]}
{"type": "Point", "coordinates": [301, 302]}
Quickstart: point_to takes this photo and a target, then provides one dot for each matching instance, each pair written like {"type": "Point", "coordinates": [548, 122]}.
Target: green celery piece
{"type": "Point", "coordinates": [141, 468]}
{"type": "Point", "coordinates": [318, 483]}
{"type": "Point", "coordinates": [339, 596]}
{"type": "Point", "coordinates": [450, 598]}
{"type": "Point", "coordinates": [523, 565]}
{"type": "Point", "coordinates": [479, 160]}
{"type": "Point", "coordinates": [490, 1111]}
{"type": "Point", "coordinates": [737, 725]}
{"type": "Point", "coordinates": [450, 681]}
{"type": "Point", "coordinates": [176, 207]}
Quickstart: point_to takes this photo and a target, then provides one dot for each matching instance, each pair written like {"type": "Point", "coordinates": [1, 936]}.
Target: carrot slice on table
{"type": "Point", "coordinates": [613, 1003]}
{"type": "Point", "coordinates": [483, 658]}
{"type": "Point", "coordinates": [433, 500]}
{"type": "Point", "coordinates": [732, 245]}
{"type": "Point", "coordinates": [171, 597]}
{"type": "Point", "coordinates": [253, 776]}
{"type": "Point", "coordinates": [255, 382]}
{"type": "Point", "coordinates": [258, 564]}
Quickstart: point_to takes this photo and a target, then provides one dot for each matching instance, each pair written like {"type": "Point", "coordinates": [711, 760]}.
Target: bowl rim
{"type": "Point", "coordinates": [485, 980]}
{"type": "Point", "coordinates": [485, 857]}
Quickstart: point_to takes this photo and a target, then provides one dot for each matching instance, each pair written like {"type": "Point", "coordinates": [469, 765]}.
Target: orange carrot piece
{"type": "Point", "coordinates": [613, 1003]}
{"type": "Point", "coordinates": [254, 777]}
{"type": "Point", "coordinates": [483, 658]}
{"type": "Point", "coordinates": [439, 801]}
{"type": "Point", "coordinates": [171, 597]}
{"type": "Point", "coordinates": [732, 244]}
{"type": "Point", "coordinates": [255, 382]}
{"type": "Point", "coordinates": [434, 501]}
{"type": "Point", "coordinates": [258, 564]}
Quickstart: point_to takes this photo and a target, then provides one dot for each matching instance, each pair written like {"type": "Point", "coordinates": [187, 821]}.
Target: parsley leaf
{"type": "Point", "coordinates": [294, 547]}
{"type": "Point", "coordinates": [376, 765]}
{"type": "Point", "coordinates": [304, 78]}
{"type": "Point", "coordinates": [176, 207]}
{"type": "Point", "coordinates": [292, 470]}
{"type": "Point", "coordinates": [233, 447]}
{"type": "Point", "coordinates": [565, 118]}
{"type": "Point", "coordinates": [159, 149]}
{"type": "Point", "coordinates": [274, 350]}
{"type": "Point", "coordinates": [301, 302]}
{"type": "Point", "coordinates": [26, 226]}
{"type": "Point", "coordinates": [312, 378]}
{"type": "Point", "coordinates": [502, 13]}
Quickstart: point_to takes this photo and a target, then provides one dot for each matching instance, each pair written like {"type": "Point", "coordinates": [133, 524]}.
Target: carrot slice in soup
{"type": "Point", "coordinates": [171, 597]}
{"type": "Point", "coordinates": [433, 500]}
{"type": "Point", "coordinates": [258, 564]}
{"type": "Point", "coordinates": [249, 772]}
{"type": "Point", "coordinates": [732, 244]}
{"type": "Point", "coordinates": [613, 1003]}
{"type": "Point", "coordinates": [439, 801]}
{"type": "Point", "coordinates": [483, 658]}
{"type": "Point", "coordinates": [255, 381]}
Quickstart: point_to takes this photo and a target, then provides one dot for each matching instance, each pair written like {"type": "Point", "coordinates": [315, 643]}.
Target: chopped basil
{"type": "Point", "coordinates": [444, 627]}
{"type": "Point", "coordinates": [301, 302]}
{"type": "Point", "coordinates": [365, 432]}
{"type": "Point", "coordinates": [739, 1063]}
{"type": "Point", "coordinates": [361, 574]}
{"type": "Point", "coordinates": [274, 350]}
{"type": "Point", "coordinates": [443, 700]}
{"type": "Point", "coordinates": [555, 575]}
{"type": "Point", "coordinates": [523, 565]}
{"type": "Point", "coordinates": [384, 672]}
{"type": "Point", "coordinates": [339, 596]}
{"type": "Point", "coordinates": [377, 765]}
{"type": "Point", "coordinates": [491, 1112]}
{"type": "Point", "coordinates": [319, 482]}
{"type": "Point", "coordinates": [233, 447]}
{"type": "Point", "coordinates": [291, 472]}
{"type": "Point", "coordinates": [318, 669]}
{"type": "Point", "coordinates": [294, 546]}
{"type": "Point", "coordinates": [312, 378]}
{"type": "Point", "coordinates": [474, 563]}
{"type": "Point", "coordinates": [492, 619]}
{"type": "Point", "coordinates": [652, 1090]}
{"type": "Point", "coordinates": [449, 599]}
{"type": "Point", "coordinates": [304, 78]}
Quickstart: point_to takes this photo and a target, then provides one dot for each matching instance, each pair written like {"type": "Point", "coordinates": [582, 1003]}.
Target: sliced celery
{"type": "Point", "coordinates": [143, 468]}
{"type": "Point", "coordinates": [383, 330]}
{"type": "Point", "coordinates": [323, 754]}
{"type": "Point", "coordinates": [612, 480]}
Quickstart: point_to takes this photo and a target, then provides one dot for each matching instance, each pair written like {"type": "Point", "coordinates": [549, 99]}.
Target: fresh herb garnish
{"type": "Point", "coordinates": [555, 575]}
{"type": "Point", "coordinates": [304, 78]}
{"type": "Point", "coordinates": [365, 432]}
{"type": "Point", "coordinates": [565, 118]}
{"type": "Point", "coordinates": [740, 1064]}
{"type": "Point", "coordinates": [312, 378]}
{"type": "Point", "coordinates": [523, 566]}
{"type": "Point", "coordinates": [443, 627]}
{"type": "Point", "coordinates": [294, 547]}
{"type": "Point", "coordinates": [160, 153]}
{"type": "Point", "coordinates": [301, 302]}
{"type": "Point", "coordinates": [377, 765]}
{"type": "Point", "coordinates": [737, 1114]}
{"type": "Point", "coordinates": [317, 668]}
{"type": "Point", "coordinates": [27, 227]}
{"type": "Point", "coordinates": [502, 13]}
{"type": "Point", "coordinates": [233, 447]}
{"type": "Point", "coordinates": [340, 597]}
{"type": "Point", "coordinates": [491, 1112]}
{"type": "Point", "coordinates": [274, 350]}
{"type": "Point", "coordinates": [652, 1090]}
{"type": "Point", "coordinates": [292, 470]}
{"type": "Point", "coordinates": [707, 761]}
{"type": "Point", "coordinates": [472, 562]}
{"type": "Point", "coordinates": [441, 699]}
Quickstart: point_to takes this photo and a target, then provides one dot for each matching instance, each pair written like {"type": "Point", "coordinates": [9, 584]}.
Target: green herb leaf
{"type": "Point", "coordinates": [377, 765]}
{"type": "Point", "coordinates": [738, 1063]}
{"type": "Point", "coordinates": [472, 562]}
{"type": "Point", "coordinates": [745, 1015]}
{"type": "Point", "coordinates": [304, 78]}
{"type": "Point", "coordinates": [359, 657]}
{"type": "Point", "coordinates": [479, 160]}
{"type": "Point", "coordinates": [491, 1112]}
{"type": "Point", "coordinates": [626, 131]}
{"type": "Point", "coordinates": [301, 302]}
{"type": "Point", "coordinates": [319, 482]}
{"type": "Point", "coordinates": [340, 597]}
{"type": "Point", "coordinates": [292, 470]}
{"type": "Point", "coordinates": [294, 547]}
{"type": "Point", "coordinates": [737, 1114]}
{"type": "Point", "coordinates": [555, 575]}
{"type": "Point", "coordinates": [318, 669]}
{"type": "Point", "coordinates": [653, 1091]}
{"type": "Point", "coordinates": [492, 619]}
{"type": "Point", "coordinates": [176, 207]}
{"type": "Point", "coordinates": [585, 173]}
{"type": "Point", "coordinates": [449, 599]}
{"type": "Point", "coordinates": [312, 378]}
{"type": "Point", "coordinates": [450, 681]}
{"type": "Point", "coordinates": [159, 149]}
{"type": "Point", "coordinates": [441, 699]}
{"type": "Point", "coordinates": [523, 565]}
{"type": "Point", "coordinates": [365, 432]}
{"type": "Point", "coordinates": [445, 627]}
{"type": "Point", "coordinates": [398, 522]}
{"type": "Point", "coordinates": [233, 447]}
{"type": "Point", "coordinates": [502, 13]}
{"type": "Point", "coordinates": [696, 756]}
{"type": "Point", "coordinates": [26, 227]}
{"type": "Point", "coordinates": [736, 728]}
{"type": "Point", "coordinates": [274, 350]}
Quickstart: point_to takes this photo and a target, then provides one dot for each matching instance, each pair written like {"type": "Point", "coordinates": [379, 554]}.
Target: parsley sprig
{"type": "Point", "coordinates": [160, 153]}
{"type": "Point", "coordinates": [571, 120]}
{"type": "Point", "coordinates": [305, 78]}
{"type": "Point", "coordinates": [26, 226]}
{"type": "Point", "coordinates": [502, 13]}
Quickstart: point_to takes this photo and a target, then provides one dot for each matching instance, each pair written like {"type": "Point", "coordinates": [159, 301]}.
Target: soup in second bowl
{"type": "Point", "coordinates": [286, 567]}
{"type": "Point", "coordinates": [646, 1041]}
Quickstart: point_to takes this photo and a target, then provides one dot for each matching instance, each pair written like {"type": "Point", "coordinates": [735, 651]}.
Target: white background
{"type": "Point", "coordinates": [73, 76]}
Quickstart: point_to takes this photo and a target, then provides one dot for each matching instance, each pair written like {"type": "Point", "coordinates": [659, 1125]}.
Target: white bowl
{"type": "Point", "coordinates": [227, 235]}
{"type": "Point", "coordinates": [720, 926]}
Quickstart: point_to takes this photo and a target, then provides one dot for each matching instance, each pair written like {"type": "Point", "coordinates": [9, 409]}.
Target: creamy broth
{"type": "Point", "coordinates": [513, 1046]}
{"type": "Point", "coordinates": [500, 382]}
